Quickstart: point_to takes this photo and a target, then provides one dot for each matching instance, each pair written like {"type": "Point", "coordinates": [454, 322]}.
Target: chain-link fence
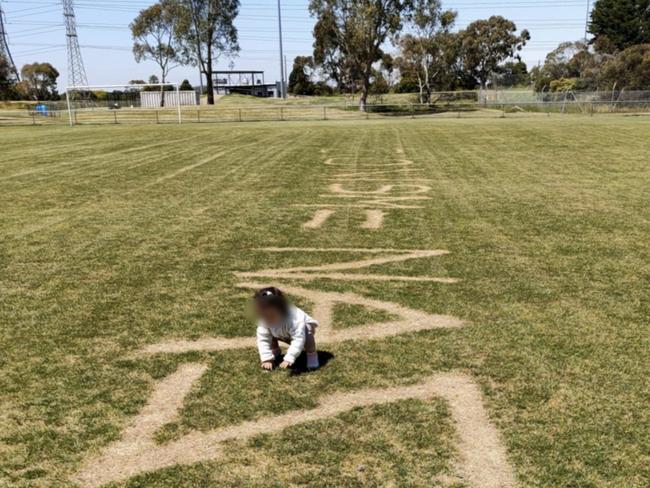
{"type": "Point", "coordinates": [474, 104]}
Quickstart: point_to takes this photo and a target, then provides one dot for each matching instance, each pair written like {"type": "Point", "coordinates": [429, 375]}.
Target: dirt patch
{"type": "Point", "coordinates": [482, 461]}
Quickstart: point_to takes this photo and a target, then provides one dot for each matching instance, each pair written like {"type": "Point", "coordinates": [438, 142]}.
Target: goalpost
{"type": "Point", "coordinates": [93, 102]}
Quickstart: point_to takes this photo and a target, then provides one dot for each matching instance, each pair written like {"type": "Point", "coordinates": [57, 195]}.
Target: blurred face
{"type": "Point", "coordinates": [269, 315]}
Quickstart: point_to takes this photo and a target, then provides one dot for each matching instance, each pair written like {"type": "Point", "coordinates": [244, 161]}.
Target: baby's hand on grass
{"type": "Point", "coordinates": [267, 365]}
{"type": "Point", "coordinates": [285, 365]}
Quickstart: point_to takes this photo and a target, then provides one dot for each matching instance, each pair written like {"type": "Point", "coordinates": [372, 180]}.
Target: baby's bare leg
{"type": "Point", "coordinates": [310, 349]}
{"type": "Point", "coordinates": [310, 344]}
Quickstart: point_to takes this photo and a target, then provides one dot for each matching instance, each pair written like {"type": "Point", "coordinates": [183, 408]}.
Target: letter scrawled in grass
{"type": "Point", "coordinates": [408, 320]}
{"type": "Point", "coordinates": [401, 188]}
{"type": "Point", "coordinates": [482, 458]}
{"type": "Point", "coordinates": [320, 217]}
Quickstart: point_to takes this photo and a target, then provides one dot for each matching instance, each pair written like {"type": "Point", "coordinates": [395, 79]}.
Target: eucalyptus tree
{"type": "Point", "coordinates": [427, 50]}
{"type": "Point", "coordinates": [154, 38]}
{"type": "Point", "coordinates": [488, 43]}
{"type": "Point", "coordinates": [207, 32]}
{"type": "Point", "coordinates": [350, 34]}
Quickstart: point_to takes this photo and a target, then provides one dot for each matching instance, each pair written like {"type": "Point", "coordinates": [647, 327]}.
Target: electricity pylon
{"type": "Point", "coordinates": [76, 70]}
{"type": "Point", "coordinates": [4, 46]}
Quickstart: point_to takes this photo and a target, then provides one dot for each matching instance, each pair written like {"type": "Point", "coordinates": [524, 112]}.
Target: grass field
{"type": "Point", "coordinates": [113, 239]}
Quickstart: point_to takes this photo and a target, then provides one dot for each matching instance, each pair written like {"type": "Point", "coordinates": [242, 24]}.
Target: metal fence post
{"type": "Point", "coordinates": [240, 115]}
{"type": "Point", "coordinates": [324, 113]}
{"type": "Point", "coordinates": [157, 118]}
{"type": "Point", "coordinates": [67, 97]}
{"type": "Point", "coordinates": [282, 114]}
{"type": "Point", "coordinates": [198, 116]}
{"type": "Point", "coordinates": [115, 116]}
{"type": "Point", "coordinates": [178, 100]}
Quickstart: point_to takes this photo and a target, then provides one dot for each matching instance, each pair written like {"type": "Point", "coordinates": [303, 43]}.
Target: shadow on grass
{"type": "Point", "coordinates": [300, 367]}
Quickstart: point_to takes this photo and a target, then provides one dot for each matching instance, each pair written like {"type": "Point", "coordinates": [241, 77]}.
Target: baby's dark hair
{"type": "Point", "coordinates": [272, 297]}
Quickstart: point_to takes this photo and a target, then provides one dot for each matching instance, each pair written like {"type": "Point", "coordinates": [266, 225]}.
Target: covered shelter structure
{"type": "Point", "coordinates": [243, 83]}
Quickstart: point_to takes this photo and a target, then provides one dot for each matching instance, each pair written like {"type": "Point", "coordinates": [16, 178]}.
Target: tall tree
{"type": "Point", "coordinates": [186, 86]}
{"type": "Point", "coordinates": [7, 79]}
{"type": "Point", "coordinates": [352, 32]}
{"type": "Point", "coordinates": [425, 51]}
{"type": "Point", "coordinates": [207, 32]}
{"type": "Point", "coordinates": [629, 70]}
{"type": "Point", "coordinates": [154, 38]}
{"type": "Point", "coordinates": [619, 24]}
{"type": "Point", "coordinates": [572, 63]}
{"type": "Point", "coordinates": [488, 43]}
{"type": "Point", "coordinates": [39, 81]}
{"type": "Point", "coordinates": [328, 55]}
{"type": "Point", "coordinates": [513, 73]}
{"type": "Point", "coordinates": [300, 82]}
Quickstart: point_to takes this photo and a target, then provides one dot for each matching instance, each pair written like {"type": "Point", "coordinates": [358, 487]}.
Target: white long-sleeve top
{"type": "Point", "coordinates": [293, 331]}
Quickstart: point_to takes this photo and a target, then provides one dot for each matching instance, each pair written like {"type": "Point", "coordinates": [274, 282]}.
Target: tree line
{"type": "Point", "coordinates": [428, 55]}
{"type": "Point", "coordinates": [352, 39]}
{"type": "Point", "coordinates": [37, 82]}
{"type": "Point", "coordinates": [616, 58]}
{"type": "Point", "coordinates": [377, 46]}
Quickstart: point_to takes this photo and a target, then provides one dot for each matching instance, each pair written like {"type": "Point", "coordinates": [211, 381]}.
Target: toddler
{"type": "Point", "coordinates": [281, 321]}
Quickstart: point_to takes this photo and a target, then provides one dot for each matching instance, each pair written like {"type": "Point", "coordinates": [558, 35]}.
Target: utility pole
{"type": "Point", "coordinates": [282, 82]}
{"type": "Point", "coordinates": [286, 72]}
{"type": "Point", "coordinates": [76, 69]}
{"type": "Point", "coordinates": [4, 46]}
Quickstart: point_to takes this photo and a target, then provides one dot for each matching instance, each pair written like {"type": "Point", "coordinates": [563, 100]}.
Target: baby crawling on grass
{"type": "Point", "coordinates": [279, 321]}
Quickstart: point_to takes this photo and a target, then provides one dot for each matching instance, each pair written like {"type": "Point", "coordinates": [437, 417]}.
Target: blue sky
{"type": "Point", "coordinates": [36, 33]}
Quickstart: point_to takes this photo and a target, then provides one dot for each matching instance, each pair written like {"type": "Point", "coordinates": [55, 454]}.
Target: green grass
{"type": "Point", "coordinates": [547, 221]}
